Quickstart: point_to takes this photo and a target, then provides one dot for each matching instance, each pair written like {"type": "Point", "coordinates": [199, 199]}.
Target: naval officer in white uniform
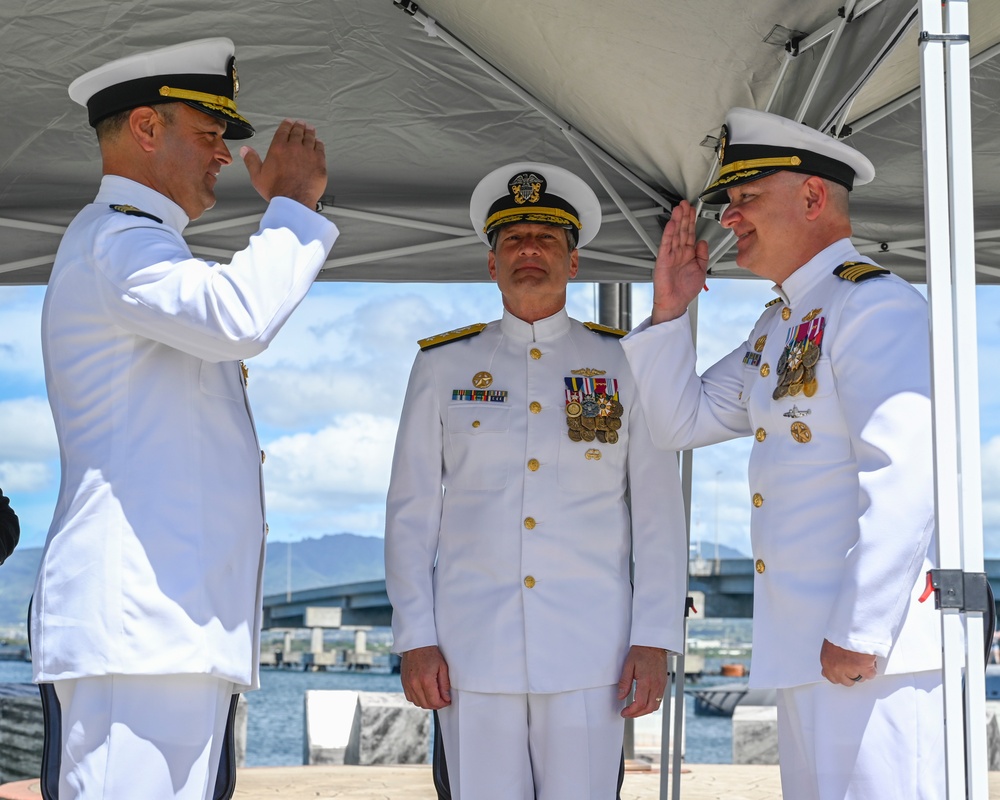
{"type": "Point", "coordinates": [833, 384]}
{"type": "Point", "coordinates": [509, 530]}
{"type": "Point", "coordinates": [146, 611]}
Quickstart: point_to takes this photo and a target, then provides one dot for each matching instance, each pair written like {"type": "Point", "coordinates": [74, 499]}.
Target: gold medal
{"type": "Point", "coordinates": [601, 423]}
{"type": "Point", "coordinates": [612, 437]}
{"type": "Point", "coordinates": [588, 435]}
{"type": "Point", "coordinates": [575, 435]}
{"type": "Point", "coordinates": [602, 436]}
{"type": "Point", "coordinates": [801, 432]}
{"type": "Point", "coordinates": [574, 423]}
{"type": "Point", "coordinates": [794, 389]}
{"type": "Point", "coordinates": [809, 389]}
{"type": "Point", "coordinates": [589, 423]}
{"type": "Point", "coordinates": [482, 380]}
{"type": "Point", "coordinates": [614, 423]}
{"type": "Point", "coordinates": [573, 409]}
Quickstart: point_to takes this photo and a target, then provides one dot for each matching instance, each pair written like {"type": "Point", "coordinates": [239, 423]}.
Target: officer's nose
{"type": "Point", "coordinates": [222, 154]}
{"type": "Point", "coordinates": [729, 216]}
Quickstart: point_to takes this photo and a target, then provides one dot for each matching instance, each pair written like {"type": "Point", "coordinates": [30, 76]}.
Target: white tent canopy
{"type": "Point", "coordinates": [412, 124]}
{"type": "Point", "coordinates": [416, 104]}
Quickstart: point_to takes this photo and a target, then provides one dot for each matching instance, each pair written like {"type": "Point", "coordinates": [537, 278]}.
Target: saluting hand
{"type": "Point", "coordinates": [295, 165]}
{"type": "Point", "coordinates": [681, 265]}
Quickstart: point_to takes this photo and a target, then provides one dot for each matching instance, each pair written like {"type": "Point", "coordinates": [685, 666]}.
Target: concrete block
{"type": "Point", "coordinates": [240, 731]}
{"type": "Point", "coordinates": [993, 734]}
{"type": "Point", "coordinates": [329, 719]}
{"type": "Point", "coordinates": [647, 735]}
{"type": "Point", "coordinates": [21, 732]}
{"type": "Point", "coordinates": [755, 735]}
{"type": "Point", "coordinates": [388, 729]}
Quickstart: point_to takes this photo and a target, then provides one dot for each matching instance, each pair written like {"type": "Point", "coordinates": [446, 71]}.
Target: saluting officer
{"type": "Point", "coordinates": [833, 383]}
{"type": "Point", "coordinates": [512, 603]}
{"type": "Point", "coordinates": [146, 612]}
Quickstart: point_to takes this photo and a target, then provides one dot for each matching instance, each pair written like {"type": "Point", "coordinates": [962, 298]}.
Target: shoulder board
{"type": "Point", "coordinates": [770, 303]}
{"type": "Point", "coordinates": [132, 211]}
{"type": "Point", "coordinates": [451, 336]}
{"type": "Point", "coordinates": [598, 328]}
{"type": "Point", "coordinates": [857, 271]}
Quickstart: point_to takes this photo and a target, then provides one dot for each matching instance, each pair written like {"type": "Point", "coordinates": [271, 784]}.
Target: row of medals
{"type": "Point", "coordinates": [796, 370]}
{"type": "Point", "coordinates": [586, 423]}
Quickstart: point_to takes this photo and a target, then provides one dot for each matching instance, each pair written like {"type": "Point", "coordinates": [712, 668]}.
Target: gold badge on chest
{"type": "Point", "coordinates": [482, 380]}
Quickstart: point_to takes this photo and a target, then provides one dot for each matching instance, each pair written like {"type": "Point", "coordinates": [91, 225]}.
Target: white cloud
{"type": "Point", "coordinates": [991, 495]}
{"type": "Point", "coordinates": [24, 476]}
{"type": "Point", "coordinates": [339, 466]}
{"type": "Point", "coordinates": [20, 342]}
{"type": "Point", "coordinates": [26, 430]}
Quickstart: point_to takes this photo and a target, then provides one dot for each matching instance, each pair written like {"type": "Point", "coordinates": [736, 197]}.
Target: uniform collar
{"type": "Point", "coordinates": [548, 328]}
{"type": "Point", "coordinates": [805, 277]}
{"type": "Point", "coordinates": [118, 190]}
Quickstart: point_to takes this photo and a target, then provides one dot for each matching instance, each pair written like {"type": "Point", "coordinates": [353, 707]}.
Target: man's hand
{"type": "Point", "coordinates": [845, 666]}
{"type": "Point", "coordinates": [681, 265]}
{"type": "Point", "coordinates": [647, 666]}
{"type": "Point", "coordinates": [295, 165]}
{"type": "Point", "coordinates": [424, 674]}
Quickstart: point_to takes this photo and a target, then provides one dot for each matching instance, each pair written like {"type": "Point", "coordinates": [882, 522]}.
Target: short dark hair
{"type": "Point", "coordinates": [111, 126]}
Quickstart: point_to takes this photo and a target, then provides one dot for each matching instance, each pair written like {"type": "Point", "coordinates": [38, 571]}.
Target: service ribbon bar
{"type": "Point", "coordinates": [480, 395]}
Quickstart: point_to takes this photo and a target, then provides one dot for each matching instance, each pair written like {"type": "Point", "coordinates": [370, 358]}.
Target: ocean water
{"type": "Point", "coordinates": [275, 722]}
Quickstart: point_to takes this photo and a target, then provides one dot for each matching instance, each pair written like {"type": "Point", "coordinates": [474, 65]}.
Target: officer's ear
{"type": "Point", "coordinates": [574, 263]}
{"type": "Point", "coordinates": [815, 196]}
{"type": "Point", "coordinates": [491, 264]}
{"type": "Point", "coordinates": [142, 123]}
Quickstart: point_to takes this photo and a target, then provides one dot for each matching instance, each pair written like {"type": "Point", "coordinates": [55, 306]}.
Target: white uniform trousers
{"type": "Point", "coordinates": [877, 740]}
{"type": "Point", "coordinates": [151, 736]}
{"type": "Point", "coordinates": [564, 746]}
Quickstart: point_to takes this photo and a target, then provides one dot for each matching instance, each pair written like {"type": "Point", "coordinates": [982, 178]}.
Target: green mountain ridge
{"type": "Point", "coordinates": [306, 564]}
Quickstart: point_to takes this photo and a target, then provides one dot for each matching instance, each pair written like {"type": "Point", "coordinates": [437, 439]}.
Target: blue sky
{"type": "Point", "coordinates": [327, 395]}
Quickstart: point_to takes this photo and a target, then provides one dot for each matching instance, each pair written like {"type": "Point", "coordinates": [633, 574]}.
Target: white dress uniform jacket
{"type": "Point", "coordinates": [841, 483]}
{"type": "Point", "coordinates": [519, 569]}
{"type": "Point", "coordinates": [154, 558]}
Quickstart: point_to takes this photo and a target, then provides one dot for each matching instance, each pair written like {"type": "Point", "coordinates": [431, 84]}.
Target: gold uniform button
{"type": "Point", "coordinates": [263, 456]}
{"type": "Point", "coordinates": [529, 582]}
{"type": "Point", "coordinates": [786, 313]}
{"type": "Point", "coordinates": [765, 370]}
{"type": "Point", "coordinates": [475, 423]}
{"type": "Point", "coordinates": [535, 353]}
{"type": "Point", "coordinates": [760, 434]}
{"type": "Point", "coordinates": [533, 464]}
{"type": "Point", "coordinates": [758, 500]}
{"type": "Point", "coordinates": [529, 523]}
{"type": "Point", "coordinates": [759, 566]}
{"type": "Point", "coordinates": [535, 407]}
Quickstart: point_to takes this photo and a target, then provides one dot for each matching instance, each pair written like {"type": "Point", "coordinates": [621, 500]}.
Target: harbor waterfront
{"type": "Point", "coordinates": [275, 720]}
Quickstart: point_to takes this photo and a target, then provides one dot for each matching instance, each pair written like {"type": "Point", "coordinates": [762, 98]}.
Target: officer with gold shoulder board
{"type": "Point", "coordinates": [512, 603]}
{"type": "Point", "coordinates": [833, 383]}
{"type": "Point", "coordinates": [146, 612]}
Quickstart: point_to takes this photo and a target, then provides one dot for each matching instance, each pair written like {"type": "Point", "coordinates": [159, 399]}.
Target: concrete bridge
{"type": "Point", "coordinates": [726, 582]}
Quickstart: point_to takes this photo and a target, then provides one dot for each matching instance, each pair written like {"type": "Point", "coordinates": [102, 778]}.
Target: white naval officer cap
{"type": "Point", "coordinates": [528, 191]}
{"type": "Point", "coordinates": [755, 144]}
{"type": "Point", "coordinates": [201, 74]}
